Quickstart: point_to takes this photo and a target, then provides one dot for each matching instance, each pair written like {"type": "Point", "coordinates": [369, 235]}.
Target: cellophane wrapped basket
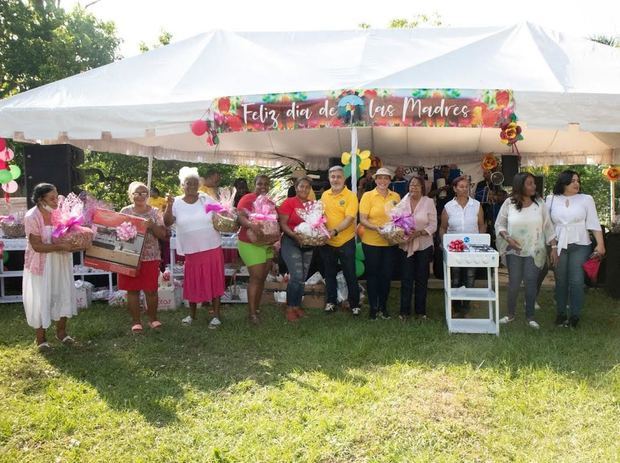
{"type": "Point", "coordinates": [13, 225]}
{"type": "Point", "coordinates": [67, 221]}
{"type": "Point", "coordinates": [264, 214]}
{"type": "Point", "coordinates": [401, 224]}
{"type": "Point", "coordinates": [225, 217]}
{"type": "Point", "coordinates": [312, 231]}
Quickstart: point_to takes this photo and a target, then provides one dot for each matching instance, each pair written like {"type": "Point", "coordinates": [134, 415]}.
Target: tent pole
{"type": "Point", "coordinates": [612, 197]}
{"type": "Point", "coordinates": [149, 175]}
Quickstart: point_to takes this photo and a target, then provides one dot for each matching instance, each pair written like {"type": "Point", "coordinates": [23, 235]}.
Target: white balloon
{"type": "Point", "coordinates": [10, 187]}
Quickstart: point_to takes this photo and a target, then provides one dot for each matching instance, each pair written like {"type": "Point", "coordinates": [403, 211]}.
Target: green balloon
{"type": "Point", "coordinates": [5, 176]}
{"type": "Point", "coordinates": [359, 268]}
{"type": "Point", "coordinates": [5, 256]}
{"type": "Point", "coordinates": [15, 171]}
{"type": "Point", "coordinates": [359, 252]}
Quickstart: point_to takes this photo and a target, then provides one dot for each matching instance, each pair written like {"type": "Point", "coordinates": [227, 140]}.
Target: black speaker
{"type": "Point", "coordinates": [510, 168]}
{"type": "Point", "coordinates": [55, 164]}
{"type": "Point", "coordinates": [540, 185]}
{"type": "Point", "coordinates": [334, 162]}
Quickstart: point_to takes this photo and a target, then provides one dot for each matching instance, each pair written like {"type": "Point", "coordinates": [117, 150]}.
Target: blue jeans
{"type": "Point", "coordinates": [330, 256]}
{"type": "Point", "coordinates": [569, 279]}
{"type": "Point", "coordinates": [379, 261]}
{"type": "Point", "coordinates": [414, 269]}
{"type": "Point", "coordinates": [522, 269]}
{"type": "Point", "coordinates": [298, 262]}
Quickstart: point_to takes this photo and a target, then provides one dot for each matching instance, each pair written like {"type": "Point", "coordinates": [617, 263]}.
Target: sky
{"type": "Point", "coordinates": [143, 20]}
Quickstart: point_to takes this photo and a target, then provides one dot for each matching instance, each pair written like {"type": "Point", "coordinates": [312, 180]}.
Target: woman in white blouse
{"type": "Point", "coordinates": [462, 214]}
{"type": "Point", "coordinates": [200, 243]}
{"type": "Point", "coordinates": [573, 215]}
{"type": "Point", "coordinates": [523, 229]}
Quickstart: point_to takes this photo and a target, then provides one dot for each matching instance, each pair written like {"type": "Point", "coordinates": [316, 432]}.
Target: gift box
{"type": "Point", "coordinates": [83, 294]}
{"type": "Point", "coordinates": [118, 242]}
{"type": "Point", "coordinates": [67, 220]}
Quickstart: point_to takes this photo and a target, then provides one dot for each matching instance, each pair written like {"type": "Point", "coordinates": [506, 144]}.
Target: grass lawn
{"type": "Point", "coordinates": [330, 389]}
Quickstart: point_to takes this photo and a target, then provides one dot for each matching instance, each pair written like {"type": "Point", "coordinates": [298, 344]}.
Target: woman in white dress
{"type": "Point", "coordinates": [573, 215]}
{"type": "Point", "coordinates": [48, 290]}
{"type": "Point", "coordinates": [523, 230]}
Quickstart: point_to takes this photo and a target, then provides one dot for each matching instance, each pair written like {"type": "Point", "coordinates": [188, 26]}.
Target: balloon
{"type": "Point", "coordinates": [10, 187]}
{"type": "Point", "coordinates": [15, 171]}
{"type": "Point", "coordinates": [359, 268]}
{"type": "Point", "coordinates": [359, 252]}
{"type": "Point", "coordinates": [7, 155]}
{"type": "Point", "coordinates": [3, 164]}
{"type": "Point", "coordinates": [5, 176]}
{"type": "Point", "coordinates": [2, 144]}
{"type": "Point", "coordinates": [199, 127]}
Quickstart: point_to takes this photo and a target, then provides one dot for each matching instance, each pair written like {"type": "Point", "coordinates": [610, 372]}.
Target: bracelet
{"type": "Point", "coordinates": [554, 246]}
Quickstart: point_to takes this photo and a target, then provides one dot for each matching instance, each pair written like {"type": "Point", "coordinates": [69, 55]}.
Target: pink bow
{"type": "Point", "coordinates": [65, 227]}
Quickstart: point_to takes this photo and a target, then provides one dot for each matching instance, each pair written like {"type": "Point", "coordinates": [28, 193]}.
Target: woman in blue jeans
{"type": "Point", "coordinates": [573, 215]}
{"type": "Point", "coordinates": [296, 257]}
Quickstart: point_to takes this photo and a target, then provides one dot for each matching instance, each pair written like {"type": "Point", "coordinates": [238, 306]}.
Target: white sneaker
{"type": "Point", "coordinates": [214, 323]}
{"type": "Point", "coordinates": [506, 319]}
{"type": "Point", "coordinates": [330, 307]}
{"type": "Point", "coordinates": [537, 305]}
{"type": "Point", "coordinates": [187, 320]}
{"type": "Point", "coordinates": [533, 324]}
{"type": "Point", "coordinates": [356, 310]}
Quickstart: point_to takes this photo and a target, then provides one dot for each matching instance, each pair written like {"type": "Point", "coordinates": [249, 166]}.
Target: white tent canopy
{"type": "Point", "coordinates": [566, 89]}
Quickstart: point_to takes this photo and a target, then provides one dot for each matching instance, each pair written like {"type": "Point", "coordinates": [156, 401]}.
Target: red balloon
{"type": "Point", "coordinates": [2, 144]}
{"type": "Point", "coordinates": [3, 164]}
{"type": "Point", "coordinates": [199, 127]}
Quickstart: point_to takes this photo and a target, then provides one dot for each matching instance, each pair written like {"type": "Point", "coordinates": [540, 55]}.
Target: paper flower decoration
{"type": "Point", "coordinates": [456, 246]}
{"type": "Point", "coordinates": [511, 133]}
{"type": "Point", "coordinates": [363, 162]}
{"type": "Point", "coordinates": [489, 162]}
{"type": "Point", "coordinates": [612, 173]}
{"type": "Point", "coordinates": [126, 231]}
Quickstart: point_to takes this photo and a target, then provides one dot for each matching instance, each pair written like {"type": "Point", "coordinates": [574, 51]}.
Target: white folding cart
{"type": "Point", "coordinates": [477, 253]}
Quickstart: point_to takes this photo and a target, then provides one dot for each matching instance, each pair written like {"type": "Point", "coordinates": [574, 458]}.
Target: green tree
{"type": "Point", "coordinates": [605, 40]}
{"type": "Point", "coordinates": [164, 39]}
{"type": "Point", "coordinates": [41, 43]}
{"type": "Point", "coordinates": [418, 20]}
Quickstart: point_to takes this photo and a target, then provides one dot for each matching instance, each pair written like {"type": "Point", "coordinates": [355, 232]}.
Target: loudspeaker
{"type": "Point", "coordinates": [540, 185]}
{"type": "Point", "coordinates": [510, 168]}
{"type": "Point", "coordinates": [55, 164]}
{"type": "Point", "coordinates": [334, 162]}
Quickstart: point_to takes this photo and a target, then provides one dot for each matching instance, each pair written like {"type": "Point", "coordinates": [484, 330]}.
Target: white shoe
{"type": "Point", "coordinates": [505, 320]}
{"type": "Point", "coordinates": [537, 305]}
{"type": "Point", "coordinates": [214, 323]}
{"type": "Point", "coordinates": [533, 324]}
{"type": "Point", "coordinates": [187, 320]}
{"type": "Point", "coordinates": [356, 310]}
{"type": "Point", "coordinates": [330, 307]}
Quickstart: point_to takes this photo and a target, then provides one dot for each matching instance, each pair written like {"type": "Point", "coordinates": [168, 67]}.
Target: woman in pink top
{"type": "Point", "coordinates": [47, 285]}
{"type": "Point", "coordinates": [416, 253]}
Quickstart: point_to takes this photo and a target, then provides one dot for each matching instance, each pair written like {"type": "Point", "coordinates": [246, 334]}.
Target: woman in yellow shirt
{"type": "Point", "coordinates": [380, 256]}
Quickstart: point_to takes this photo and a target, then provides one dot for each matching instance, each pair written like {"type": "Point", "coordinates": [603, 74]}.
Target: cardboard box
{"type": "Point", "coordinates": [314, 295]}
{"type": "Point", "coordinates": [110, 254]}
{"type": "Point", "coordinates": [169, 298]}
{"type": "Point", "coordinates": [83, 294]}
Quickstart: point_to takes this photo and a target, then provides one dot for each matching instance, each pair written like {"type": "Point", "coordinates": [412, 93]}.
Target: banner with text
{"type": "Point", "coordinates": [361, 108]}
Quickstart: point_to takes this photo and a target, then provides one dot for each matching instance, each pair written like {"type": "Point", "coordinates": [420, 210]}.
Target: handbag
{"type": "Point", "coordinates": [591, 268]}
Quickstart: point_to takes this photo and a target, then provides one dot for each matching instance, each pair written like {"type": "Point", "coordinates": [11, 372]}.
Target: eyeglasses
{"type": "Point", "coordinates": [141, 193]}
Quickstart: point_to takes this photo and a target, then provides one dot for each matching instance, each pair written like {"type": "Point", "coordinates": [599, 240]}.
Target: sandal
{"type": "Point", "coordinates": [254, 320]}
{"type": "Point", "coordinates": [155, 324]}
{"type": "Point", "coordinates": [137, 328]}
{"type": "Point", "coordinates": [44, 347]}
{"type": "Point", "coordinates": [66, 340]}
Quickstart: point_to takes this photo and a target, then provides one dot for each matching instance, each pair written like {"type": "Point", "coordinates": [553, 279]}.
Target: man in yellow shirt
{"type": "Point", "coordinates": [340, 205]}
{"type": "Point", "coordinates": [210, 183]}
{"type": "Point", "coordinates": [155, 200]}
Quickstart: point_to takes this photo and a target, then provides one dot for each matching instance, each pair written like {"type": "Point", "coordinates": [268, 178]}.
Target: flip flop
{"type": "Point", "coordinates": [137, 328]}
{"type": "Point", "coordinates": [44, 347]}
{"type": "Point", "coordinates": [66, 340]}
{"type": "Point", "coordinates": [155, 325]}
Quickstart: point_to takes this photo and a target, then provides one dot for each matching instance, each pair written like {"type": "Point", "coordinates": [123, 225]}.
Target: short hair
{"type": "Point", "coordinates": [211, 172]}
{"type": "Point", "coordinates": [155, 190]}
{"type": "Point", "coordinates": [186, 173]}
{"type": "Point", "coordinates": [261, 176]}
{"type": "Point", "coordinates": [41, 190]}
{"type": "Point", "coordinates": [422, 183]}
{"type": "Point", "coordinates": [458, 179]}
{"type": "Point", "coordinates": [305, 178]}
{"type": "Point", "coordinates": [133, 186]}
{"type": "Point", "coordinates": [564, 179]}
{"type": "Point", "coordinates": [334, 169]}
